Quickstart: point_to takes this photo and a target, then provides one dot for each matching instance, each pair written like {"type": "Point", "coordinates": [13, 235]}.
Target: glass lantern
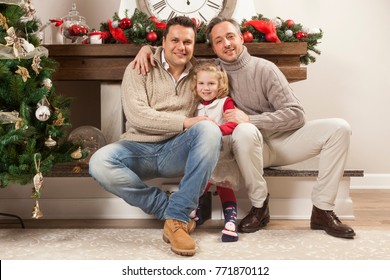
{"type": "Point", "coordinates": [74, 27]}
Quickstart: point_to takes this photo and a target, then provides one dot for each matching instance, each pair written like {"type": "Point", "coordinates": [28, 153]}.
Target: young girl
{"type": "Point", "coordinates": [210, 85]}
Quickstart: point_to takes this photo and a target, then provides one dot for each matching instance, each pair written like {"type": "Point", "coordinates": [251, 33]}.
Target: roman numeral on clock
{"type": "Point", "coordinates": [171, 15]}
{"type": "Point", "coordinates": [160, 6]}
{"type": "Point", "coordinates": [213, 5]}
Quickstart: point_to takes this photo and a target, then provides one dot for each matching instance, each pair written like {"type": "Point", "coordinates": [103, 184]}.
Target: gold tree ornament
{"type": "Point", "coordinates": [60, 118]}
{"type": "Point", "coordinates": [3, 21]}
{"type": "Point", "coordinates": [38, 178]}
{"type": "Point", "coordinates": [23, 72]}
{"type": "Point", "coordinates": [37, 213]}
{"type": "Point", "coordinates": [50, 142]}
{"type": "Point", "coordinates": [36, 64]}
{"type": "Point", "coordinates": [77, 154]}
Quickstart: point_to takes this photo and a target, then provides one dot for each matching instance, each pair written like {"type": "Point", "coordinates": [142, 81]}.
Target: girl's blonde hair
{"type": "Point", "coordinates": [221, 75]}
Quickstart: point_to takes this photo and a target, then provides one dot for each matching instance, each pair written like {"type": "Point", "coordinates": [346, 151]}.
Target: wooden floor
{"type": "Point", "coordinates": [371, 207]}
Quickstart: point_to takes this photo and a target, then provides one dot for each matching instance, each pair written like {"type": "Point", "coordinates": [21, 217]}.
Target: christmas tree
{"type": "Point", "coordinates": [33, 117]}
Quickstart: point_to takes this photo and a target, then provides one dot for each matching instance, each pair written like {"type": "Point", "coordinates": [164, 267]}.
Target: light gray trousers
{"type": "Point", "coordinates": [328, 138]}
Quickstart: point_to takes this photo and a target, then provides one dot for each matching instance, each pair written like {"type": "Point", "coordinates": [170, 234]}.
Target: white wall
{"type": "Point", "coordinates": [351, 78]}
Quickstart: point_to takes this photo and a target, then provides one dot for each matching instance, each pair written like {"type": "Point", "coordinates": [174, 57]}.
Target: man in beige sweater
{"type": "Point", "coordinates": [272, 130]}
{"type": "Point", "coordinates": [162, 139]}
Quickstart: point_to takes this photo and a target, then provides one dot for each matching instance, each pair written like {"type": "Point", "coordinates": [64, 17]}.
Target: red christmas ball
{"type": "Point", "coordinates": [152, 36]}
{"type": "Point", "coordinates": [125, 23]}
{"type": "Point", "coordinates": [248, 37]}
{"type": "Point", "coordinates": [153, 18]}
{"type": "Point", "coordinates": [290, 23]}
{"type": "Point", "coordinates": [300, 35]}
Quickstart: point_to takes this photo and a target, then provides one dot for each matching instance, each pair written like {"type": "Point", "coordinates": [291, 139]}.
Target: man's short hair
{"type": "Point", "coordinates": [216, 20]}
{"type": "Point", "coordinates": [182, 21]}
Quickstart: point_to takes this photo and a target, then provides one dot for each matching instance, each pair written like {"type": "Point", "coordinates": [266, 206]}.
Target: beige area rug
{"type": "Point", "coordinates": [147, 244]}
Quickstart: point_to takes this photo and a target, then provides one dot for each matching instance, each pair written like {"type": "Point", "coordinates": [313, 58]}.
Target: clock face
{"type": "Point", "coordinates": [203, 10]}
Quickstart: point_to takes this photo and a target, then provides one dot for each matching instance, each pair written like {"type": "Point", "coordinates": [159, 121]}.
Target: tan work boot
{"type": "Point", "coordinates": [176, 233]}
{"type": "Point", "coordinates": [191, 226]}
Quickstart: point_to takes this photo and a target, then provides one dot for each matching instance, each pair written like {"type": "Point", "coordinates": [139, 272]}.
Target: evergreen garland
{"type": "Point", "coordinates": [141, 25]}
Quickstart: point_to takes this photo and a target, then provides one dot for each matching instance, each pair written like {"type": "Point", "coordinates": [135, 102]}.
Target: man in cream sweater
{"type": "Point", "coordinates": [162, 139]}
{"type": "Point", "coordinates": [272, 125]}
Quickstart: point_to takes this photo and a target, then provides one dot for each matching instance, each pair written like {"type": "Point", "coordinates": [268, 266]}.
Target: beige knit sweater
{"type": "Point", "coordinates": [260, 89]}
{"type": "Point", "coordinates": [154, 107]}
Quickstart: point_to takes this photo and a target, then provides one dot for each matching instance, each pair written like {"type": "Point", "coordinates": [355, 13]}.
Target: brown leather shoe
{"type": "Point", "coordinates": [256, 219]}
{"type": "Point", "coordinates": [176, 233]}
{"type": "Point", "coordinates": [328, 221]}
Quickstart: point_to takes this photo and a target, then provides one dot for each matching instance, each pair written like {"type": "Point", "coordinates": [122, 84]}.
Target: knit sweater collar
{"type": "Point", "coordinates": [242, 61]}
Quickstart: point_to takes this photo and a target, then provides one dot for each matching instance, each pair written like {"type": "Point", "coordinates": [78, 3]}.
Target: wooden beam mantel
{"type": "Point", "coordinates": [107, 62]}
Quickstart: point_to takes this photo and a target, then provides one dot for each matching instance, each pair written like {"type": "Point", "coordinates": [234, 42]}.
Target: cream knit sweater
{"type": "Point", "coordinates": [154, 107]}
{"type": "Point", "coordinates": [260, 89]}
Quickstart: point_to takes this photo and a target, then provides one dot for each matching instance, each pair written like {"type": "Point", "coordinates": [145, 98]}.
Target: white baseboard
{"type": "Point", "coordinates": [371, 181]}
{"type": "Point", "coordinates": [83, 198]}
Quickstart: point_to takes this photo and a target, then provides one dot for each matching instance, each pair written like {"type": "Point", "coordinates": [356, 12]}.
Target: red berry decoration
{"type": "Point", "coordinates": [125, 23]}
{"type": "Point", "coordinates": [300, 35]}
{"type": "Point", "coordinates": [290, 23]}
{"type": "Point", "coordinates": [248, 37]}
{"type": "Point", "coordinates": [152, 36]}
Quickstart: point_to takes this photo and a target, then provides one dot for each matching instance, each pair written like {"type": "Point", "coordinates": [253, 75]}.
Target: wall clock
{"type": "Point", "coordinates": [203, 10]}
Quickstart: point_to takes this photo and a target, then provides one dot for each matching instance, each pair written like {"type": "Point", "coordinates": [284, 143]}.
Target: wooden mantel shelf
{"type": "Point", "coordinates": [107, 62]}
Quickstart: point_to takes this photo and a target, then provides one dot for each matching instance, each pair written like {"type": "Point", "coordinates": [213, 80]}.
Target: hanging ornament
{"type": "Point", "coordinates": [152, 36]}
{"type": "Point", "coordinates": [290, 23]}
{"type": "Point", "coordinates": [37, 213]}
{"type": "Point", "coordinates": [38, 178]}
{"type": "Point", "coordinates": [47, 83]}
{"type": "Point", "coordinates": [248, 37]}
{"type": "Point", "coordinates": [50, 142]}
{"type": "Point", "coordinates": [300, 35]}
{"type": "Point", "coordinates": [42, 113]}
{"type": "Point", "coordinates": [36, 64]}
{"type": "Point", "coordinates": [60, 119]}
{"type": "Point", "coordinates": [125, 23]}
{"type": "Point", "coordinates": [77, 154]}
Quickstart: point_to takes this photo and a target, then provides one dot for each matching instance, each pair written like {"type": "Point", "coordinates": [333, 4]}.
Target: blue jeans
{"type": "Point", "coordinates": [121, 168]}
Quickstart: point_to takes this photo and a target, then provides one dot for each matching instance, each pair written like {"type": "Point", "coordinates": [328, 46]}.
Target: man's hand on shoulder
{"type": "Point", "coordinates": [143, 60]}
